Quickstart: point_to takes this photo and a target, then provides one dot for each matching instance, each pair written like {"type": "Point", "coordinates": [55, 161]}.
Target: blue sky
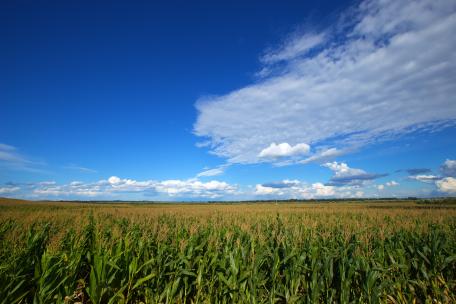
{"type": "Point", "coordinates": [213, 101]}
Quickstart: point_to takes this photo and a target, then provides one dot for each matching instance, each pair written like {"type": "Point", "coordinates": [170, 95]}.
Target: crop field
{"type": "Point", "coordinates": [342, 252]}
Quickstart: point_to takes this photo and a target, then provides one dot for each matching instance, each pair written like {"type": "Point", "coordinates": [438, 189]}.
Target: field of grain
{"type": "Point", "coordinates": [361, 252]}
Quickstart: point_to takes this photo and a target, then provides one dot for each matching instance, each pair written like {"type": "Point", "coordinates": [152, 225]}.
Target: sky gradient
{"type": "Point", "coordinates": [227, 101]}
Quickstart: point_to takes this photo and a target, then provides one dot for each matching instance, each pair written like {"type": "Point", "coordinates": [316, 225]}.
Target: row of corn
{"type": "Point", "coordinates": [225, 264]}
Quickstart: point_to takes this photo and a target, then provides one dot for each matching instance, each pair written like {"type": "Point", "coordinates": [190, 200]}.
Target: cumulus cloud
{"type": "Point", "coordinates": [195, 188]}
{"type": "Point", "coordinates": [344, 175]}
{"type": "Point", "coordinates": [323, 190]}
{"type": "Point", "coordinates": [447, 185]}
{"type": "Point", "coordinates": [301, 190]}
{"type": "Point", "coordinates": [449, 168]}
{"type": "Point", "coordinates": [114, 180]}
{"type": "Point", "coordinates": [113, 186]}
{"type": "Point", "coordinates": [283, 150]}
{"type": "Point", "coordinates": [374, 81]}
{"type": "Point", "coordinates": [388, 184]}
{"type": "Point", "coordinates": [265, 190]}
{"type": "Point", "coordinates": [123, 188]}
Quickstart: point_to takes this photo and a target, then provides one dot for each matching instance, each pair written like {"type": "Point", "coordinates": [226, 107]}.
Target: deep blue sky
{"type": "Point", "coordinates": [90, 90]}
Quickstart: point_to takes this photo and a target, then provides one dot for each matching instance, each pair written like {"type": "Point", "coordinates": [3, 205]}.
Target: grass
{"type": "Point", "coordinates": [361, 252]}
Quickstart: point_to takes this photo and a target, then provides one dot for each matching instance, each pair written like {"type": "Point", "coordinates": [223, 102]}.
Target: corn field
{"type": "Point", "coordinates": [295, 253]}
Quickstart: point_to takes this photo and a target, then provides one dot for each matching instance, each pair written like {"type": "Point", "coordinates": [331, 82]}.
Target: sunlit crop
{"type": "Point", "coordinates": [240, 253]}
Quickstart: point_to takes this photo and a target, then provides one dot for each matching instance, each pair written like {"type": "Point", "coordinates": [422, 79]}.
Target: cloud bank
{"type": "Point", "coordinates": [391, 71]}
{"type": "Point", "coordinates": [302, 190]}
{"type": "Point", "coordinates": [115, 186]}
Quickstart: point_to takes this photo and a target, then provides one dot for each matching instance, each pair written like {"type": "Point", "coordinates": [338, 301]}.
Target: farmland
{"type": "Point", "coordinates": [362, 252]}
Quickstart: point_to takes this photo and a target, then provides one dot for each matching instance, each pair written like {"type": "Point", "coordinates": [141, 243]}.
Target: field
{"type": "Point", "coordinates": [344, 252]}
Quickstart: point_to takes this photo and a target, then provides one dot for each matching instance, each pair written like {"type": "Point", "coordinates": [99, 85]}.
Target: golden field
{"type": "Point", "coordinates": [338, 252]}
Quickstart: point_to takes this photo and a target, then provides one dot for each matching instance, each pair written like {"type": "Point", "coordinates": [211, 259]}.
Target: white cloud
{"type": "Point", "coordinates": [388, 184]}
{"type": "Point", "coordinates": [375, 81]}
{"type": "Point", "coordinates": [300, 190]}
{"type": "Point", "coordinates": [283, 150]}
{"type": "Point", "coordinates": [262, 190]}
{"type": "Point", "coordinates": [211, 172]}
{"type": "Point", "coordinates": [322, 190]}
{"type": "Point", "coordinates": [343, 170]}
{"type": "Point", "coordinates": [344, 175]}
{"type": "Point", "coordinates": [425, 178]}
{"type": "Point", "coordinates": [359, 194]}
{"type": "Point", "coordinates": [119, 188]}
{"type": "Point", "coordinates": [449, 168]}
{"type": "Point", "coordinates": [214, 171]}
{"type": "Point", "coordinates": [195, 188]}
{"type": "Point", "coordinates": [114, 186]}
{"type": "Point", "coordinates": [447, 185]}
{"type": "Point", "coordinates": [114, 180]}
{"type": "Point", "coordinates": [323, 155]}
{"type": "Point", "coordinates": [392, 184]}
{"type": "Point", "coordinates": [9, 189]}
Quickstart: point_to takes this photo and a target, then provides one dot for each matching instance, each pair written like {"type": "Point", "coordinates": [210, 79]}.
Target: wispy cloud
{"type": "Point", "coordinates": [425, 178]}
{"type": "Point", "coordinates": [10, 154]}
{"type": "Point", "coordinates": [12, 159]}
{"type": "Point", "coordinates": [323, 155]}
{"type": "Point", "coordinates": [296, 45]}
{"type": "Point", "coordinates": [214, 171]}
{"type": "Point", "coordinates": [375, 81]}
{"type": "Point", "coordinates": [79, 168]}
{"type": "Point", "coordinates": [416, 171]}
